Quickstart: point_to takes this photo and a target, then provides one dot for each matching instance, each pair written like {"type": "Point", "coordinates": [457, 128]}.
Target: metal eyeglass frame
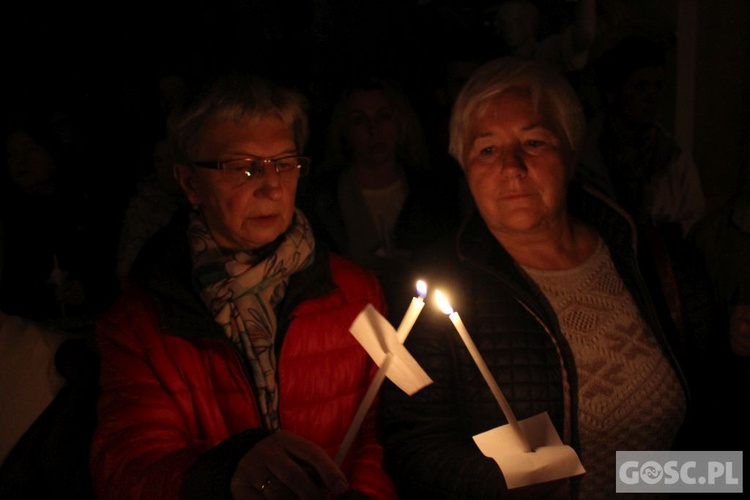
{"type": "Point", "coordinates": [254, 170]}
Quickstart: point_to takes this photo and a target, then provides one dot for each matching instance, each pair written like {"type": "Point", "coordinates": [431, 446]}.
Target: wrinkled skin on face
{"type": "Point", "coordinates": [518, 169]}
{"type": "Point", "coordinates": [248, 214]}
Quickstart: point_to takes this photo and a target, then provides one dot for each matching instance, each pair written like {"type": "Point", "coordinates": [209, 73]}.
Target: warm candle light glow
{"type": "Point", "coordinates": [445, 306]}
{"type": "Point", "coordinates": [412, 313]}
{"type": "Point", "coordinates": [442, 302]}
{"type": "Point", "coordinates": [407, 322]}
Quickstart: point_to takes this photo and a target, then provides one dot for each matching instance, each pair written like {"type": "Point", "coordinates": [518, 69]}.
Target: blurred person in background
{"type": "Point", "coordinates": [157, 197]}
{"type": "Point", "coordinates": [376, 198]}
{"type": "Point", "coordinates": [58, 248]}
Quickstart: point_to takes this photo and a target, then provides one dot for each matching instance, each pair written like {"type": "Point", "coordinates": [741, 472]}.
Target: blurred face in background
{"type": "Point", "coordinates": [243, 213]}
{"type": "Point", "coordinates": [371, 128]}
{"type": "Point", "coordinates": [639, 98]}
{"type": "Point", "coordinates": [30, 164]}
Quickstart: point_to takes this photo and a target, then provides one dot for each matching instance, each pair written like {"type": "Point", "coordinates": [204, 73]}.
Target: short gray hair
{"type": "Point", "coordinates": [549, 90]}
{"type": "Point", "coordinates": [235, 96]}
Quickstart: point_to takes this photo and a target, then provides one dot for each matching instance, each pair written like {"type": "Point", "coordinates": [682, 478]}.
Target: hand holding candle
{"type": "Point", "coordinates": [445, 306]}
{"type": "Point", "coordinates": [407, 322]}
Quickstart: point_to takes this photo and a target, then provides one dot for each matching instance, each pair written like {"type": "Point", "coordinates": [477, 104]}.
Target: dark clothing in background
{"type": "Point", "coordinates": [70, 227]}
{"type": "Point", "coordinates": [429, 212]}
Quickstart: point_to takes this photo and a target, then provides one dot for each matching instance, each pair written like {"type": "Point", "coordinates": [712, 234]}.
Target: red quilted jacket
{"type": "Point", "coordinates": [175, 392]}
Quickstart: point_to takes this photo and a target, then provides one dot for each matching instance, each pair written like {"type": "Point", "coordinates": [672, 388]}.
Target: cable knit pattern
{"type": "Point", "coordinates": [630, 397]}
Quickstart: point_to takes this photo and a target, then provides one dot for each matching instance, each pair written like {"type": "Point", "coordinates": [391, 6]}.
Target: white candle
{"type": "Point", "coordinates": [364, 406]}
{"type": "Point", "coordinates": [412, 313]}
{"type": "Point", "coordinates": [404, 328]}
{"type": "Point", "coordinates": [445, 306]}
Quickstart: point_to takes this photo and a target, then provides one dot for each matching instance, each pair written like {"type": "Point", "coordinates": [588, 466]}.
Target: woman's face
{"type": "Point", "coordinates": [517, 168]}
{"type": "Point", "coordinates": [371, 127]}
{"type": "Point", "coordinates": [243, 213]}
{"type": "Point", "coordinates": [30, 165]}
{"type": "Point", "coordinates": [638, 99]}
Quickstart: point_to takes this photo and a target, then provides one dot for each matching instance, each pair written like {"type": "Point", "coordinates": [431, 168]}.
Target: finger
{"type": "Point", "coordinates": [275, 489]}
{"type": "Point", "coordinates": [289, 477]}
{"type": "Point", "coordinates": [242, 488]}
{"type": "Point", "coordinates": [318, 464]}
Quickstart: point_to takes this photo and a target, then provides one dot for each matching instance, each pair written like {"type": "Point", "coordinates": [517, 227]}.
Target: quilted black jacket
{"type": "Point", "coordinates": [428, 436]}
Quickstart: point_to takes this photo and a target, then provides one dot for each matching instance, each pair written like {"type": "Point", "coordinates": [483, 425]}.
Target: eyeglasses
{"type": "Point", "coordinates": [243, 169]}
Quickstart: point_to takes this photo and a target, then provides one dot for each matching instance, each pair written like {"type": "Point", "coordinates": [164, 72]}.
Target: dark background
{"type": "Point", "coordinates": [104, 59]}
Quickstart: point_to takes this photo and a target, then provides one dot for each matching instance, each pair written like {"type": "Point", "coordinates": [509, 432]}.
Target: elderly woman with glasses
{"type": "Point", "coordinates": [544, 274]}
{"type": "Point", "coordinates": [227, 366]}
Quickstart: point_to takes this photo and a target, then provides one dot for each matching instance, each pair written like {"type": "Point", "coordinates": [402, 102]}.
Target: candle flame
{"type": "Point", "coordinates": [422, 288]}
{"type": "Point", "coordinates": [442, 302]}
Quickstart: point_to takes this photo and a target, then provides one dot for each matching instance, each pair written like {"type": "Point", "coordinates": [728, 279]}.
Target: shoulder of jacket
{"type": "Point", "coordinates": [353, 280]}
{"type": "Point", "coordinates": [346, 270]}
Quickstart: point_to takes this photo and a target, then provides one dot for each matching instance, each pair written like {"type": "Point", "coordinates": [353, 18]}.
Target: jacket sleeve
{"type": "Point", "coordinates": [211, 475]}
{"type": "Point", "coordinates": [145, 445]}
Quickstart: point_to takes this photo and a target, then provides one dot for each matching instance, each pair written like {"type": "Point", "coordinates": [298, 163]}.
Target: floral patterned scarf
{"type": "Point", "coordinates": [242, 290]}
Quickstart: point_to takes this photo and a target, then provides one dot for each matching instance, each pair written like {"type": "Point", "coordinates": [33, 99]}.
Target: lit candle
{"type": "Point", "coordinates": [404, 328]}
{"type": "Point", "coordinates": [445, 306]}
{"type": "Point", "coordinates": [412, 313]}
